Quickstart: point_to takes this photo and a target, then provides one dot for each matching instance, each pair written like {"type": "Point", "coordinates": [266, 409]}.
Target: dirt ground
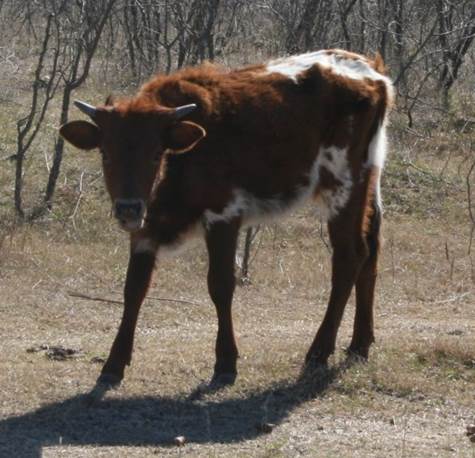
{"type": "Point", "coordinates": [415, 396]}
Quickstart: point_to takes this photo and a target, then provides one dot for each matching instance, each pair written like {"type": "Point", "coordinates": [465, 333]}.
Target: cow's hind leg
{"type": "Point", "coordinates": [349, 254]}
{"type": "Point", "coordinates": [221, 240]}
{"type": "Point", "coordinates": [363, 334]}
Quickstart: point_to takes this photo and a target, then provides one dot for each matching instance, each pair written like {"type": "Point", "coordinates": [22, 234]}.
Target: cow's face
{"type": "Point", "coordinates": [132, 141]}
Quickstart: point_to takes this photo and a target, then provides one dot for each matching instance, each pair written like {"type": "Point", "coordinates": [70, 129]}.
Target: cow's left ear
{"type": "Point", "coordinates": [182, 136]}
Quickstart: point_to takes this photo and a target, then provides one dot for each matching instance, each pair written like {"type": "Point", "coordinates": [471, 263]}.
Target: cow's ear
{"type": "Point", "coordinates": [81, 134]}
{"type": "Point", "coordinates": [182, 136]}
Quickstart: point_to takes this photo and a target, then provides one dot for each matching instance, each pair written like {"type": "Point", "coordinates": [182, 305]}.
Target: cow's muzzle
{"type": "Point", "coordinates": [130, 213]}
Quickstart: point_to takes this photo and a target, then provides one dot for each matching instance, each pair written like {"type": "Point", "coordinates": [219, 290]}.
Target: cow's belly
{"type": "Point", "coordinates": [328, 185]}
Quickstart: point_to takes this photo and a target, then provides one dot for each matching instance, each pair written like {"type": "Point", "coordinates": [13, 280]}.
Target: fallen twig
{"type": "Point", "coordinates": [92, 298]}
{"type": "Point", "coordinates": [113, 301]}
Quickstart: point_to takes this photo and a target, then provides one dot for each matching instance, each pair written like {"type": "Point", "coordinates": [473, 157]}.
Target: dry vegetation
{"type": "Point", "coordinates": [414, 397]}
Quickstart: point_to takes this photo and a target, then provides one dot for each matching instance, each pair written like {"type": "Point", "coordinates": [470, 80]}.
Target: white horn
{"type": "Point", "coordinates": [86, 108]}
{"type": "Point", "coordinates": [182, 111]}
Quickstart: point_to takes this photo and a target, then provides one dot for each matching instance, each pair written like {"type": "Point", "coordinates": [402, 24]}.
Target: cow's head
{"type": "Point", "coordinates": [132, 138]}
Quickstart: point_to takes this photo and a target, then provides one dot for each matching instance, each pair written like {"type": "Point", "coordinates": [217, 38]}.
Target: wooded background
{"type": "Point", "coordinates": [51, 49]}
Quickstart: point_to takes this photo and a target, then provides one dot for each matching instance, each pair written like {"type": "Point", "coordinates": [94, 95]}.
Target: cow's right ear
{"type": "Point", "coordinates": [81, 134]}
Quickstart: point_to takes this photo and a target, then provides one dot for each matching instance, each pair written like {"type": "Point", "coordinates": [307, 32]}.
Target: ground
{"type": "Point", "coordinates": [414, 397]}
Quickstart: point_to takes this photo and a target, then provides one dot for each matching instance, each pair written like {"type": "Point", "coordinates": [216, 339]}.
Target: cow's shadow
{"type": "Point", "coordinates": [155, 421]}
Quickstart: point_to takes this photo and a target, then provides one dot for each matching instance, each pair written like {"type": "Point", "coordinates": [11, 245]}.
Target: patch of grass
{"type": "Point", "coordinates": [417, 188]}
{"type": "Point", "coordinates": [429, 372]}
{"type": "Point", "coordinates": [455, 359]}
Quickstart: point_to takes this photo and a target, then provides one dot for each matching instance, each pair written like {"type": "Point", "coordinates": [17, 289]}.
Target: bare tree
{"type": "Point", "coordinates": [344, 10]}
{"type": "Point", "coordinates": [456, 35]}
{"type": "Point", "coordinates": [82, 39]}
{"type": "Point", "coordinates": [44, 86]}
{"type": "Point", "coordinates": [470, 201]}
{"type": "Point", "coordinates": [70, 39]}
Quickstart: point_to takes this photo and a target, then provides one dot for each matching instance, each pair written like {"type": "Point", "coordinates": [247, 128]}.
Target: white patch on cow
{"type": "Point", "coordinates": [183, 241]}
{"type": "Point", "coordinates": [335, 161]}
{"type": "Point", "coordinates": [354, 67]}
{"type": "Point", "coordinates": [377, 151]}
{"type": "Point", "coordinates": [248, 207]}
{"type": "Point", "coordinates": [378, 147]}
{"type": "Point", "coordinates": [235, 208]}
{"type": "Point", "coordinates": [329, 201]}
{"type": "Point", "coordinates": [377, 194]}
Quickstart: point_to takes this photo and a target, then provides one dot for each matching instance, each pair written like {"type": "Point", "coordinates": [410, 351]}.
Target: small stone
{"type": "Point", "coordinates": [392, 422]}
{"type": "Point", "coordinates": [245, 281]}
{"type": "Point", "coordinates": [179, 441]}
{"type": "Point", "coordinates": [265, 427]}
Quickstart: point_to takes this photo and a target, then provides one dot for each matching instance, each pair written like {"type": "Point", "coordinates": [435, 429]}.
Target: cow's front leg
{"type": "Point", "coordinates": [221, 240]}
{"type": "Point", "coordinates": [139, 273]}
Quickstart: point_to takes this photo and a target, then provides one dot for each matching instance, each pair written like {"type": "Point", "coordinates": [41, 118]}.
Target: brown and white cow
{"type": "Point", "coordinates": [214, 148]}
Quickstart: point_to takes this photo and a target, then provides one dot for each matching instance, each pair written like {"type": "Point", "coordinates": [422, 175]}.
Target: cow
{"type": "Point", "coordinates": [214, 149]}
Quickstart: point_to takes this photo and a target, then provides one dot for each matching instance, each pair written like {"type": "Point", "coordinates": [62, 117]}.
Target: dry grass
{"type": "Point", "coordinates": [413, 398]}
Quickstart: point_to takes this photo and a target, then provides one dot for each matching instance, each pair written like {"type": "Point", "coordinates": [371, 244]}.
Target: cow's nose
{"type": "Point", "coordinates": [129, 209]}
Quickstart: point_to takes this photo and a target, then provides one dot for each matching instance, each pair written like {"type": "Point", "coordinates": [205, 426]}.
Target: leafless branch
{"type": "Point", "coordinates": [113, 301]}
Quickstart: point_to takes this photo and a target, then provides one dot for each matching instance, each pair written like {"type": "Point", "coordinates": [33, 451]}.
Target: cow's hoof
{"type": "Point", "coordinates": [359, 354]}
{"type": "Point", "coordinates": [222, 379]}
{"type": "Point", "coordinates": [104, 383]}
{"type": "Point", "coordinates": [314, 368]}
{"type": "Point", "coordinates": [110, 381]}
{"type": "Point", "coordinates": [218, 382]}
{"type": "Point", "coordinates": [316, 360]}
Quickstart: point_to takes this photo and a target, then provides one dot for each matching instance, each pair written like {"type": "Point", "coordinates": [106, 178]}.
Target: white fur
{"type": "Point", "coordinates": [248, 207]}
{"type": "Point", "coordinates": [377, 151]}
{"type": "Point", "coordinates": [378, 147]}
{"type": "Point", "coordinates": [148, 245]}
{"type": "Point", "coordinates": [377, 194]}
{"type": "Point", "coordinates": [333, 200]}
{"type": "Point", "coordinates": [355, 68]}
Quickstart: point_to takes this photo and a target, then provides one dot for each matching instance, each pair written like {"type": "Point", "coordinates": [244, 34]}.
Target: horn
{"type": "Point", "coordinates": [182, 111]}
{"type": "Point", "coordinates": [86, 108]}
